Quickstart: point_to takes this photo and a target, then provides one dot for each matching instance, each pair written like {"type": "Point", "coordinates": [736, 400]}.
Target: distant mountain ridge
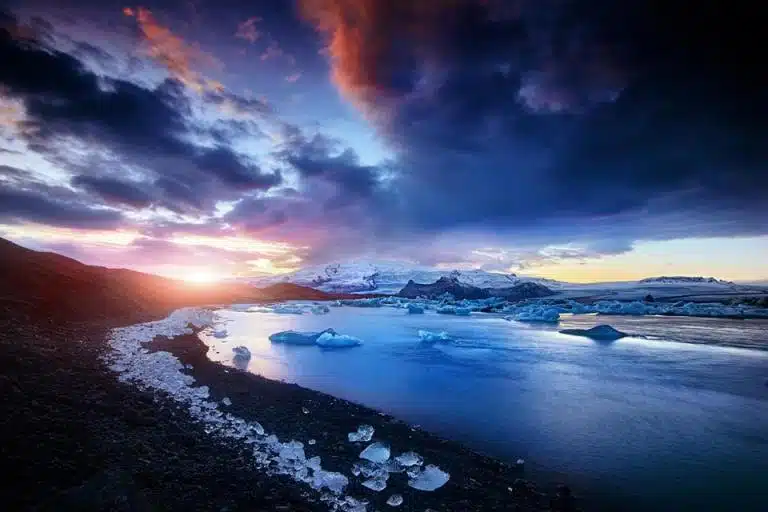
{"type": "Point", "coordinates": [386, 277]}
{"type": "Point", "coordinates": [684, 280]}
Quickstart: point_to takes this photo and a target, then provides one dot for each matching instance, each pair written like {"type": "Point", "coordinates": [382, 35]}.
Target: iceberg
{"type": "Point", "coordinates": [364, 434]}
{"type": "Point", "coordinates": [288, 309]}
{"type": "Point", "coordinates": [537, 314]}
{"type": "Point", "coordinates": [599, 332]}
{"type": "Point", "coordinates": [430, 479]}
{"type": "Point", "coordinates": [432, 337]}
{"type": "Point", "coordinates": [333, 340]}
{"type": "Point", "coordinates": [298, 337]}
{"type": "Point", "coordinates": [242, 353]}
{"type": "Point", "coordinates": [241, 307]}
{"type": "Point", "coordinates": [415, 309]}
{"type": "Point", "coordinates": [320, 309]}
{"type": "Point", "coordinates": [376, 452]}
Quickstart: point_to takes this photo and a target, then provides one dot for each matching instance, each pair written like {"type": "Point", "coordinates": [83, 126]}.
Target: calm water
{"type": "Point", "coordinates": [676, 421]}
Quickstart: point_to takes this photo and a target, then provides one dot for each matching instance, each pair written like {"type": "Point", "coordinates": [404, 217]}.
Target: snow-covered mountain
{"type": "Point", "coordinates": [385, 277]}
{"type": "Point", "coordinates": [685, 280]}
{"type": "Point", "coordinates": [389, 277]}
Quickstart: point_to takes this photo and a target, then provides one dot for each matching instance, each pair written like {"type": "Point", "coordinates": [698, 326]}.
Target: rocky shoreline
{"type": "Point", "coordinates": [77, 438]}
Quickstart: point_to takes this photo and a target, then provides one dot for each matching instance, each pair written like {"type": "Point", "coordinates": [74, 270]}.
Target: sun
{"type": "Point", "coordinates": [200, 277]}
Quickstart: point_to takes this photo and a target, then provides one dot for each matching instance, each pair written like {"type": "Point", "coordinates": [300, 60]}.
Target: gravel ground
{"type": "Point", "coordinates": [74, 438]}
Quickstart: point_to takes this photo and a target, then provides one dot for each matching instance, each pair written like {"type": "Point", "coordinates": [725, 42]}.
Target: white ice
{"type": "Point", "coordinates": [432, 337]}
{"type": "Point", "coordinates": [333, 340]}
{"type": "Point", "coordinates": [376, 452]}
{"type": "Point", "coordinates": [536, 313]}
{"type": "Point", "coordinates": [163, 373]}
{"type": "Point", "coordinates": [395, 500]}
{"type": "Point", "coordinates": [429, 479]}
{"type": "Point", "coordinates": [321, 309]}
{"type": "Point", "coordinates": [415, 309]}
{"type": "Point", "coordinates": [296, 337]}
{"type": "Point", "coordinates": [409, 459]}
{"type": "Point", "coordinates": [375, 484]}
{"type": "Point", "coordinates": [364, 434]}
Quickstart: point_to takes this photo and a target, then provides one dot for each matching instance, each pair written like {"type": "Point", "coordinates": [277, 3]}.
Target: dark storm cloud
{"type": "Point", "coordinates": [322, 158]}
{"type": "Point", "coordinates": [134, 128]}
{"type": "Point", "coordinates": [18, 205]}
{"type": "Point", "coordinates": [115, 191]}
{"type": "Point", "coordinates": [627, 115]}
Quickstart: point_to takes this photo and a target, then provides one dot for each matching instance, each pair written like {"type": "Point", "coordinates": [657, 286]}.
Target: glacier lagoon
{"type": "Point", "coordinates": [675, 420]}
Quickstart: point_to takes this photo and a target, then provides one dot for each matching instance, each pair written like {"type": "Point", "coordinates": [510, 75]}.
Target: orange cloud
{"type": "Point", "coordinates": [179, 57]}
{"type": "Point", "coordinates": [360, 34]}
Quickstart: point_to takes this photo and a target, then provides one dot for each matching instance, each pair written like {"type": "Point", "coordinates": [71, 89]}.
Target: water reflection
{"type": "Point", "coordinates": [647, 423]}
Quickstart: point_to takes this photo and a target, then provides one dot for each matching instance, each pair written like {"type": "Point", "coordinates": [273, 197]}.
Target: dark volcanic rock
{"type": "Point", "coordinates": [442, 286]}
{"type": "Point", "coordinates": [521, 291]}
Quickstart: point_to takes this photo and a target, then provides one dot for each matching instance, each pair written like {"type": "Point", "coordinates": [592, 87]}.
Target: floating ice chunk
{"type": "Point", "coordinates": [376, 452]}
{"type": "Point", "coordinates": [288, 309]}
{"type": "Point", "coordinates": [226, 401]}
{"type": "Point", "coordinates": [599, 332]}
{"type": "Point", "coordinates": [537, 314]}
{"type": "Point", "coordinates": [259, 309]}
{"type": "Point", "coordinates": [395, 500]}
{"type": "Point", "coordinates": [321, 309]}
{"type": "Point", "coordinates": [409, 459]}
{"type": "Point", "coordinates": [311, 442]}
{"type": "Point", "coordinates": [297, 337]}
{"type": "Point", "coordinates": [415, 309]}
{"type": "Point", "coordinates": [375, 484]}
{"type": "Point", "coordinates": [432, 337]}
{"type": "Point", "coordinates": [257, 428]}
{"type": "Point", "coordinates": [364, 434]}
{"type": "Point", "coordinates": [334, 482]}
{"type": "Point", "coordinates": [429, 479]}
{"type": "Point", "coordinates": [242, 353]}
{"type": "Point", "coordinates": [240, 307]}
{"type": "Point", "coordinates": [520, 462]}
{"type": "Point", "coordinates": [220, 333]}
{"type": "Point", "coordinates": [333, 340]}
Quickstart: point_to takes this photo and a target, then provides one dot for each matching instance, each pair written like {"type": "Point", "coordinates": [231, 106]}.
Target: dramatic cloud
{"type": "Point", "coordinates": [18, 205]}
{"type": "Point", "coordinates": [103, 129]}
{"type": "Point", "coordinates": [561, 114]}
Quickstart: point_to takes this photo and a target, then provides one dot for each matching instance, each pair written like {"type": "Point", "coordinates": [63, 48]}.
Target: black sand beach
{"type": "Point", "coordinates": [74, 438]}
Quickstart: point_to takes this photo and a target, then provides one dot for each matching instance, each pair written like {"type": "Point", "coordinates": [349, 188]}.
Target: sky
{"type": "Point", "coordinates": [571, 139]}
